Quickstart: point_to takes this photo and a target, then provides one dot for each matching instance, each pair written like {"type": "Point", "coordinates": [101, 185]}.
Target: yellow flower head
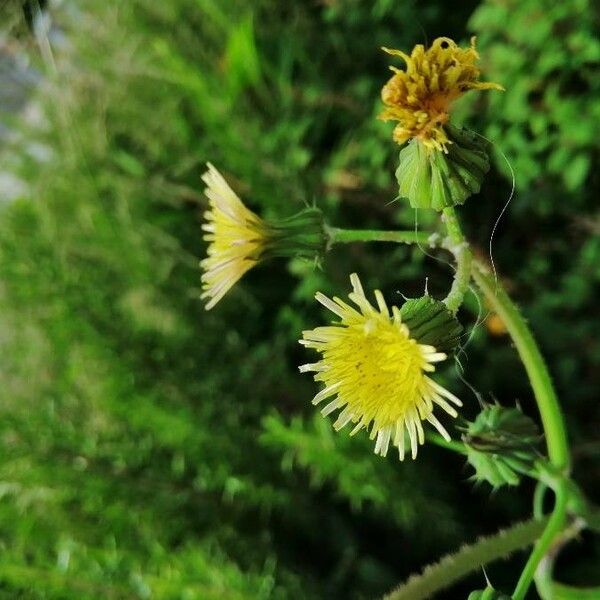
{"type": "Point", "coordinates": [419, 98]}
{"type": "Point", "coordinates": [235, 234]}
{"type": "Point", "coordinates": [376, 372]}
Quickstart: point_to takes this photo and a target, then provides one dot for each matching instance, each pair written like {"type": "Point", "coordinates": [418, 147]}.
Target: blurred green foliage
{"type": "Point", "coordinates": [151, 450]}
{"type": "Point", "coordinates": [549, 116]}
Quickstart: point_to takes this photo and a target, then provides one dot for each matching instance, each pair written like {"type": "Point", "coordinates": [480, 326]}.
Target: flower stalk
{"type": "Point", "coordinates": [453, 445]}
{"type": "Point", "coordinates": [550, 412]}
{"type": "Point", "coordinates": [344, 236]}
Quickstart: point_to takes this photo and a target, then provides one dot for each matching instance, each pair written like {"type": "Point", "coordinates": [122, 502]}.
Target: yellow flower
{"type": "Point", "coordinates": [235, 234]}
{"type": "Point", "coordinates": [419, 98]}
{"type": "Point", "coordinates": [239, 239]}
{"type": "Point", "coordinates": [376, 372]}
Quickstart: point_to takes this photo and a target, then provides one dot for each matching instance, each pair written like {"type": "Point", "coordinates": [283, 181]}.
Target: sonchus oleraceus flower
{"type": "Point", "coordinates": [419, 97]}
{"type": "Point", "coordinates": [238, 238]}
{"type": "Point", "coordinates": [376, 373]}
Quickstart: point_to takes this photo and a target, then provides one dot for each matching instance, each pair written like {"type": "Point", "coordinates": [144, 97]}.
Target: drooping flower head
{"type": "Point", "coordinates": [239, 239]}
{"type": "Point", "coordinates": [419, 97]}
{"type": "Point", "coordinates": [375, 373]}
{"type": "Point", "coordinates": [235, 234]}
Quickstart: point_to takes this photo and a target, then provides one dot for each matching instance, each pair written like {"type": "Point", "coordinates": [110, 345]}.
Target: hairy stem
{"type": "Point", "coordinates": [463, 255]}
{"type": "Point", "coordinates": [550, 412]}
{"type": "Point", "coordinates": [454, 567]}
{"type": "Point", "coordinates": [342, 236]}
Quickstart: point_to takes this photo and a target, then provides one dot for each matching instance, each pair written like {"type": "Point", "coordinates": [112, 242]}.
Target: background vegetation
{"type": "Point", "coordinates": [151, 450]}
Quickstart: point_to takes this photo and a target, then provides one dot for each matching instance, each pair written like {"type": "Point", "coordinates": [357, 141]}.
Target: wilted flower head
{"type": "Point", "coordinates": [376, 372]}
{"type": "Point", "coordinates": [239, 239]}
{"type": "Point", "coordinates": [419, 98]}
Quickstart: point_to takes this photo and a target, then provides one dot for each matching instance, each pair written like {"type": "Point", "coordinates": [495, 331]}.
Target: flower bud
{"type": "Point", "coordinates": [501, 445]}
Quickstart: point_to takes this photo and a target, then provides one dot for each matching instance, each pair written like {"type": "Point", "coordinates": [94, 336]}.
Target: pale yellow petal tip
{"type": "Point", "coordinates": [235, 234]}
{"type": "Point", "coordinates": [210, 170]}
{"type": "Point", "coordinates": [356, 285]}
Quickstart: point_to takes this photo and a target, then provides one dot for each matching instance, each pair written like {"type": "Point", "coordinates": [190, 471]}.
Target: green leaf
{"type": "Point", "coordinates": [576, 171]}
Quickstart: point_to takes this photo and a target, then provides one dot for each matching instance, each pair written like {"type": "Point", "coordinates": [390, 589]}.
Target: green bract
{"type": "Point", "coordinates": [430, 178]}
{"type": "Point", "coordinates": [302, 234]}
{"type": "Point", "coordinates": [431, 323]}
{"type": "Point", "coordinates": [501, 445]}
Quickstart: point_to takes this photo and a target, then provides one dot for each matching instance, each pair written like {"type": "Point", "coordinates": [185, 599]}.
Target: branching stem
{"type": "Point", "coordinates": [541, 383]}
{"type": "Point", "coordinates": [458, 245]}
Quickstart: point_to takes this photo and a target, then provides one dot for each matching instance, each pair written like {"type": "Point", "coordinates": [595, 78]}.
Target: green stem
{"type": "Point", "coordinates": [549, 589]}
{"type": "Point", "coordinates": [558, 591]}
{"type": "Point", "coordinates": [538, 499]}
{"type": "Point", "coordinates": [550, 412]}
{"type": "Point", "coordinates": [463, 255]}
{"type": "Point", "coordinates": [453, 445]}
{"type": "Point", "coordinates": [342, 236]}
{"type": "Point", "coordinates": [552, 530]}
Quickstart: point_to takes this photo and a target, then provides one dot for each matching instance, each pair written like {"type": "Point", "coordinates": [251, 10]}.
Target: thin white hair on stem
{"type": "Point", "coordinates": [513, 186]}
{"type": "Point", "coordinates": [478, 321]}
{"type": "Point", "coordinates": [423, 250]}
{"type": "Point", "coordinates": [460, 370]}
